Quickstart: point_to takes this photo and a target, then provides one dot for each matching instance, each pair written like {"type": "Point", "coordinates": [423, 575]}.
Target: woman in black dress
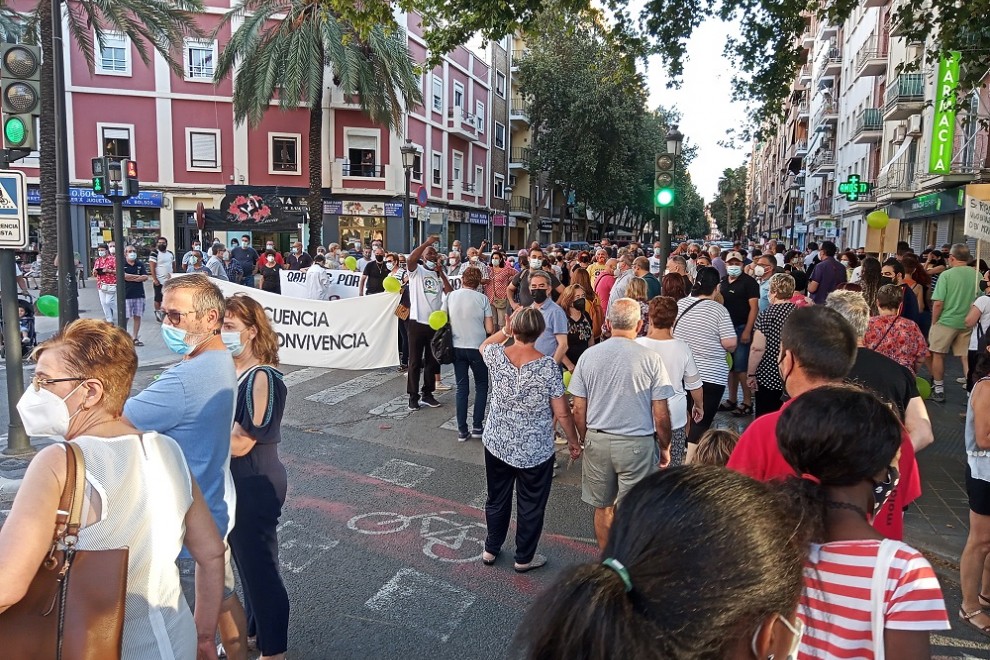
{"type": "Point", "coordinates": [270, 278]}
{"type": "Point", "coordinates": [579, 328]}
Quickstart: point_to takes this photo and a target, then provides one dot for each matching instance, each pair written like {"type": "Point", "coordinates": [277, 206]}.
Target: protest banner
{"type": "Point", "coordinates": [350, 333]}
{"type": "Point", "coordinates": [330, 285]}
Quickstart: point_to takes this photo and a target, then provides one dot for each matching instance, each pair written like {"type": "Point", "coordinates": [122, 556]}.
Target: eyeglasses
{"type": "Point", "coordinates": [45, 382]}
{"type": "Point", "coordinates": [175, 317]}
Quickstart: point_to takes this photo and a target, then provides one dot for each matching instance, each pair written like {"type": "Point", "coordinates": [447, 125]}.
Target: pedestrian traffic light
{"type": "Point", "coordinates": [129, 181]}
{"type": "Point", "coordinates": [663, 183]}
{"type": "Point", "coordinates": [100, 176]}
{"type": "Point", "coordinates": [665, 197]}
{"type": "Point", "coordinates": [20, 95]}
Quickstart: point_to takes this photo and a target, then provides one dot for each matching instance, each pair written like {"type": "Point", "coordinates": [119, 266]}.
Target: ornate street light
{"type": "Point", "coordinates": [409, 153]}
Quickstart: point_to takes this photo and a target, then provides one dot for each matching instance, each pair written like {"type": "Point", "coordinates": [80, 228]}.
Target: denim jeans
{"type": "Point", "coordinates": [464, 359]}
{"type": "Point", "coordinates": [248, 280]}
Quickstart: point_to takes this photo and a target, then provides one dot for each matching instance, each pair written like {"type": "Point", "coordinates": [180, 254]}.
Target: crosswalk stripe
{"type": "Point", "coordinates": [353, 387]}
{"type": "Point", "coordinates": [397, 408]}
{"type": "Point", "coordinates": [302, 375]}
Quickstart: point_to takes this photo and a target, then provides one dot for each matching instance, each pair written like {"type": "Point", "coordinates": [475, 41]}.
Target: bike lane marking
{"type": "Point", "coordinates": [423, 603]}
{"type": "Point", "coordinates": [401, 473]}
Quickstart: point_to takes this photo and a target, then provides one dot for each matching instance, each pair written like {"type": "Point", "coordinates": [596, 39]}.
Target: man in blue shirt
{"type": "Point", "coordinates": [193, 403]}
{"type": "Point", "coordinates": [247, 257]}
{"type": "Point", "coordinates": [553, 341]}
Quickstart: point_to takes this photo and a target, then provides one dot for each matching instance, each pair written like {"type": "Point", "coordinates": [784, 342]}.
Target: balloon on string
{"type": "Point", "coordinates": [877, 219]}
{"type": "Point", "coordinates": [567, 379]}
{"type": "Point", "coordinates": [47, 305]}
{"type": "Point", "coordinates": [392, 285]}
{"type": "Point", "coordinates": [438, 319]}
{"type": "Point", "coordinates": [924, 387]}
{"type": "Point", "coordinates": [351, 263]}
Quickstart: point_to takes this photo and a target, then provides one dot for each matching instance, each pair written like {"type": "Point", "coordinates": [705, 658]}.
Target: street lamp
{"type": "Point", "coordinates": [409, 153]}
{"type": "Point", "coordinates": [507, 193]}
{"type": "Point", "coordinates": [674, 141]}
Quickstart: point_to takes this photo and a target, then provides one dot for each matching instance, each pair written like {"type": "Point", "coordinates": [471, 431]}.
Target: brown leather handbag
{"type": "Point", "coordinates": [74, 608]}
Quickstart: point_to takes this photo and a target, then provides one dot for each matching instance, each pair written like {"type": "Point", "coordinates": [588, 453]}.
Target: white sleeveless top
{"type": "Point", "coordinates": [139, 489]}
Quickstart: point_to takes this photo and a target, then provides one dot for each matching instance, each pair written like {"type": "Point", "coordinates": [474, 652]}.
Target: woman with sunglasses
{"type": "Point", "coordinates": [847, 465]}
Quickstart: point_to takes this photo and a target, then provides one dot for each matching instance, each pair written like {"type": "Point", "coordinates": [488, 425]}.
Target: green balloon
{"type": "Point", "coordinates": [924, 387]}
{"type": "Point", "coordinates": [728, 359]}
{"type": "Point", "coordinates": [438, 319]}
{"type": "Point", "coordinates": [392, 285]}
{"type": "Point", "coordinates": [351, 263]}
{"type": "Point", "coordinates": [48, 305]}
{"type": "Point", "coordinates": [567, 379]}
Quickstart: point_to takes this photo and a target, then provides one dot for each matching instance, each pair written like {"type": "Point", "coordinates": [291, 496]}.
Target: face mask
{"type": "Point", "coordinates": [102, 253]}
{"type": "Point", "coordinates": [390, 265]}
{"type": "Point", "coordinates": [759, 271]}
{"type": "Point", "coordinates": [780, 369]}
{"type": "Point", "coordinates": [656, 252]}
{"type": "Point", "coordinates": [845, 263]}
{"type": "Point", "coordinates": [45, 413]}
{"type": "Point", "coordinates": [131, 256]}
{"type": "Point", "coordinates": [112, 248]}
{"type": "Point", "coordinates": [474, 259]}
{"type": "Point", "coordinates": [734, 271]}
{"type": "Point", "coordinates": [321, 253]}
{"type": "Point", "coordinates": [579, 304]}
{"type": "Point", "coordinates": [193, 260]}
{"type": "Point", "coordinates": [270, 246]}
{"type": "Point", "coordinates": [161, 247]}
{"type": "Point", "coordinates": [882, 490]}
{"type": "Point", "coordinates": [860, 256]}
{"type": "Point", "coordinates": [295, 250]}
{"type": "Point", "coordinates": [195, 247]}
{"type": "Point", "coordinates": [379, 258]}
{"type": "Point", "coordinates": [232, 340]}
{"type": "Point", "coordinates": [535, 263]}
{"type": "Point", "coordinates": [797, 630]}
{"type": "Point", "coordinates": [244, 244]}
{"type": "Point", "coordinates": [430, 265]}
{"type": "Point", "coordinates": [452, 261]}
{"type": "Point", "coordinates": [175, 339]}
{"type": "Point", "coordinates": [270, 260]}
{"type": "Point", "coordinates": [539, 295]}
{"type": "Point", "coordinates": [886, 280]}
{"type": "Point", "coordinates": [496, 261]}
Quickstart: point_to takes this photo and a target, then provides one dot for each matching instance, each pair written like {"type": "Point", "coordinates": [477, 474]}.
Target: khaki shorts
{"type": "Point", "coordinates": [943, 339]}
{"type": "Point", "coordinates": [612, 465]}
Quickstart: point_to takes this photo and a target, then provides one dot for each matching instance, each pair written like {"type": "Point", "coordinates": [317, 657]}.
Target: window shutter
{"type": "Point", "coordinates": [365, 142]}
{"type": "Point", "coordinates": [203, 149]}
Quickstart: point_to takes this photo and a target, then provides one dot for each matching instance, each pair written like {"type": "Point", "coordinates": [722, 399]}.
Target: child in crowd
{"type": "Point", "coordinates": [715, 447]}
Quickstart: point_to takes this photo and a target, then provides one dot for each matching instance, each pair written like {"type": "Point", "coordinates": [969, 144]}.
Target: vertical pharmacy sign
{"type": "Point", "coordinates": [944, 121]}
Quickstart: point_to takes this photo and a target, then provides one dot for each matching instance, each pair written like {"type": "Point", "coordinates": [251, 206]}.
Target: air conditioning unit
{"type": "Point", "coordinates": [900, 132]}
{"type": "Point", "coordinates": [914, 125]}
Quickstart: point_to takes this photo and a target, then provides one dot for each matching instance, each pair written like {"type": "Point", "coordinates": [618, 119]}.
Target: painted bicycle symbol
{"type": "Point", "coordinates": [444, 539]}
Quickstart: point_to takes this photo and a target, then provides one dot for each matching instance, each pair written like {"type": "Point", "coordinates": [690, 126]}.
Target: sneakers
{"type": "Point", "coordinates": [961, 380]}
{"type": "Point", "coordinates": [462, 436]}
{"type": "Point", "coordinates": [938, 397]}
{"type": "Point", "coordinates": [414, 403]}
{"type": "Point", "coordinates": [441, 387]}
{"type": "Point", "coordinates": [428, 400]}
{"type": "Point", "coordinates": [159, 315]}
{"type": "Point", "coordinates": [476, 433]}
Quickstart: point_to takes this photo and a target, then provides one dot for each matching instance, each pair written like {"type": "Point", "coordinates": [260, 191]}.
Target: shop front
{"type": "Point", "coordinates": [94, 212]}
{"type": "Point", "coordinates": [276, 214]}
{"type": "Point", "coordinates": [356, 223]}
{"type": "Point", "coordinates": [933, 219]}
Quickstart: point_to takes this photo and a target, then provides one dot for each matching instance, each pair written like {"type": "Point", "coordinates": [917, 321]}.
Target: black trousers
{"type": "Point", "coordinates": [403, 343]}
{"type": "Point", "coordinates": [712, 396]}
{"type": "Point", "coordinates": [532, 487]}
{"type": "Point", "coordinates": [767, 401]}
{"type": "Point", "coordinates": [421, 359]}
{"type": "Point", "coordinates": [254, 545]}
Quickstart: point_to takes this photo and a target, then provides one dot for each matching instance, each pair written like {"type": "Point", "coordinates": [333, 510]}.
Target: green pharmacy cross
{"type": "Point", "coordinates": [853, 188]}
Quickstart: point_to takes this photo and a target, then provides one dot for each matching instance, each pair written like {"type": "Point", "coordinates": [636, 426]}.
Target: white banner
{"type": "Point", "coordinates": [977, 219]}
{"type": "Point", "coordinates": [355, 333]}
{"type": "Point", "coordinates": [330, 284]}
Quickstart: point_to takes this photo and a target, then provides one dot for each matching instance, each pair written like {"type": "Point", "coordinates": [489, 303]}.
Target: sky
{"type": "Point", "coordinates": [704, 103]}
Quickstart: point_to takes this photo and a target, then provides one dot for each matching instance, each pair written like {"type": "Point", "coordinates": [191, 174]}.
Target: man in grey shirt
{"type": "Point", "coordinates": [553, 341]}
{"type": "Point", "coordinates": [620, 393]}
{"type": "Point", "coordinates": [623, 276]}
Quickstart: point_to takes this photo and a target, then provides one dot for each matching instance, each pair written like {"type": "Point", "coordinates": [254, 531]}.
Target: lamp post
{"type": "Point", "coordinates": [409, 153]}
{"type": "Point", "coordinates": [507, 193]}
{"type": "Point", "coordinates": [674, 141]}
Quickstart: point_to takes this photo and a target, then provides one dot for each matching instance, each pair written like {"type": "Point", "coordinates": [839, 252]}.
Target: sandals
{"type": "Point", "coordinates": [727, 406]}
{"type": "Point", "coordinates": [968, 620]}
{"type": "Point", "coordinates": [744, 410]}
{"type": "Point", "coordinates": [138, 342]}
{"type": "Point", "coordinates": [984, 601]}
{"type": "Point", "coordinates": [536, 562]}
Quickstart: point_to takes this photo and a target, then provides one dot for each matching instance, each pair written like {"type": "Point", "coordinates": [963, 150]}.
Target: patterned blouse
{"type": "Point", "coordinates": [520, 424]}
{"type": "Point", "coordinates": [770, 322]}
{"type": "Point", "coordinates": [108, 264]}
{"type": "Point", "coordinates": [898, 338]}
{"type": "Point", "coordinates": [498, 283]}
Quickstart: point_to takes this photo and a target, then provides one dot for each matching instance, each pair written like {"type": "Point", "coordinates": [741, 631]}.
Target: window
{"type": "Point", "coordinates": [458, 168]}
{"type": "Point", "coordinates": [512, 180]}
{"type": "Point", "coordinates": [437, 94]}
{"type": "Point", "coordinates": [500, 135]}
{"type": "Point", "coordinates": [199, 57]}
{"type": "Point", "coordinates": [437, 169]}
{"type": "Point", "coordinates": [479, 181]}
{"type": "Point", "coordinates": [203, 149]}
{"type": "Point", "coordinates": [114, 57]}
{"type": "Point", "coordinates": [479, 116]}
{"type": "Point", "coordinates": [417, 169]}
{"type": "Point", "coordinates": [362, 156]}
{"type": "Point", "coordinates": [499, 189]}
{"type": "Point", "coordinates": [500, 84]}
{"type": "Point", "coordinates": [458, 95]}
{"type": "Point", "coordinates": [115, 141]}
{"type": "Point", "coordinates": [283, 153]}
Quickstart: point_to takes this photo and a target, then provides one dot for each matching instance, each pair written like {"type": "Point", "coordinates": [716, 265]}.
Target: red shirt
{"type": "Point", "coordinates": [109, 265]}
{"type": "Point", "coordinates": [603, 289]}
{"type": "Point", "coordinates": [758, 455]}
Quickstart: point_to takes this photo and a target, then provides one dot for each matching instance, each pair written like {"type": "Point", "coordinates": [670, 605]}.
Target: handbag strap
{"type": "Point", "coordinates": [688, 309]}
{"type": "Point", "coordinates": [878, 593]}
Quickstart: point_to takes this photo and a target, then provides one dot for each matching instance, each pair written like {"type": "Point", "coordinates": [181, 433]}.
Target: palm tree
{"type": "Point", "coordinates": [732, 188]}
{"type": "Point", "coordinates": [158, 23]}
{"type": "Point", "coordinates": [283, 49]}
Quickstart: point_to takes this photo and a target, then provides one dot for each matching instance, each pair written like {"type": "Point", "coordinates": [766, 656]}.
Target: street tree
{"type": "Point", "coordinates": [729, 206]}
{"type": "Point", "coordinates": [284, 48]}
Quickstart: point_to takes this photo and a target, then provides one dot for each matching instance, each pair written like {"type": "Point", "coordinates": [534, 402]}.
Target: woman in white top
{"type": "Point", "coordinates": [678, 360]}
{"type": "Point", "coordinates": [139, 494]}
{"type": "Point", "coordinates": [471, 322]}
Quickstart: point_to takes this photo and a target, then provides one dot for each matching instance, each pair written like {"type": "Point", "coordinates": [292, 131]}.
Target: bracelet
{"type": "Point", "coordinates": [751, 375]}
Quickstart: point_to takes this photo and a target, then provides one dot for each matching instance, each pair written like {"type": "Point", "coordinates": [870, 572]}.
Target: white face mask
{"type": "Point", "coordinates": [45, 413]}
{"type": "Point", "coordinates": [452, 261]}
{"type": "Point", "coordinates": [759, 271]}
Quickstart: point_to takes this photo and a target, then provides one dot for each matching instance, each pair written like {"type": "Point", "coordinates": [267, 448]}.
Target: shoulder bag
{"type": "Point", "coordinates": [686, 310]}
{"type": "Point", "coordinates": [74, 608]}
{"type": "Point", "coordinates": [402, 310]}
{"type": "Point", "coordinates": [442, 343]}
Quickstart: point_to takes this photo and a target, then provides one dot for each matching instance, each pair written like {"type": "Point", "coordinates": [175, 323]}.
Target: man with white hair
{"type": "Point", "coordinates": [620, 408]}
{"type": "Point", "coordinates": [715, 252]}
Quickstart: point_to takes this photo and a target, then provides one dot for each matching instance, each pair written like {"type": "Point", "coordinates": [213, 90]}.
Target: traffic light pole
{"type": "Point", "coordinates": [68, 308]}
{"type": "Point", "coordinates": [118, 254]}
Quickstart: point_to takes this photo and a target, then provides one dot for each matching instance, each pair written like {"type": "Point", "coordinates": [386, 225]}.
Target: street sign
{"type": "Point", "coordinates": [422, 197]}
{"type": "Point", "coordinates": [13, 210]}
{"type": "Point", "coordinates": [853, 188]}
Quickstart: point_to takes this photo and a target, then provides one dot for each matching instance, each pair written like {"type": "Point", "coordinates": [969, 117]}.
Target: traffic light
{"type": "Point", "coordinates": [129, 186]}
{"type": "Point", "coordinates": [100, 176]}
{"type": "Point", "coordinates": [663, 183]}
{"type": "Point", "coordinates": [20, 95]}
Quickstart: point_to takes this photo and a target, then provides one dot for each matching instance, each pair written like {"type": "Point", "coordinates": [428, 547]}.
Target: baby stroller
{"type": "Point", "coordinates": [29, 337]}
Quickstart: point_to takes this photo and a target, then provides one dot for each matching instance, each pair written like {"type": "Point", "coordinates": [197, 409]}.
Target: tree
{"type": "Point", "coordinates": [729, 207]}
{"type": "Point", "coordinates": [158, 23]}
{"type": "Point", "coordinates": [283, 48]}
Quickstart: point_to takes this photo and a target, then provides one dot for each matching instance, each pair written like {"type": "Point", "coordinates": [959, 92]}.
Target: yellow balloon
{"type": "Point", "coordinates": [877, 219]}
{"type": "Point", "coordinates": [392, 285]}
{"type": "Point", "coordinates": [438, 319]}
{"type": "Point", "coordinates": [567, 379]}
{"type": "Point", "coordinates": [351, 263]}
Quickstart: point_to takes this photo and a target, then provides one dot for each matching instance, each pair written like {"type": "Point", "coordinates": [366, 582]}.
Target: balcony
{"type": "Point", "coordinates": [458, 186]}
{"type": "Point", "coordinates": [966, 163]}
{"type": "Point", "coordinates": [366, 179]}
{"type": "Point", "coordinates": [864, 202]}
{"type": "Point", "coordinates": [828, 113]}
{"type": "Point", "coordinates": [821, 209]}
{"type": "Point", "coordinates": [368, 170]}
{"type": "Point", "coordinates": [804, 75]}
{"type": "Point", "coordinates": [461, 124]}
{"type": "Point", "coordinates": [803, 110]}
{"type": "Point", "coordinates": [896, 184]}
{"type": "Point", "coordinates": [519, 158]}
{"type": "Point", "coordinates": [519, 205]}
{"type": "Point", "coordinates": [808, 36]}
{"type": "Point", "coordinates": [871, 60]}
{"type": "Point", "coordinates": [869, 126]}
{"type": "Point", "coordinates": [905, 97]}
{"type": "Point", "coordinates": [827, 31]}
{"type": "Point", "coordinates": [519, 110]}
{"type": "Point", "coordinates": [832, 63]}
{"type": "Point", "coordinates": [518, 54]}
{"type": "Point", "coordinates": [822, 163]}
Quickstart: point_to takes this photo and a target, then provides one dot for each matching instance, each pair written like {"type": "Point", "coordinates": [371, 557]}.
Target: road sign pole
{"type": "Point", "coordinates": [118, 239]}
{"type": "Point", "coordinates": [15, 234]}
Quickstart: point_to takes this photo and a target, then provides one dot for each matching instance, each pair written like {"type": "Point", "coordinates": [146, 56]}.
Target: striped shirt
{"type": "Point", "coordinates": [703, 328]}
{"type": "Point", "coordinates": [835, 601]}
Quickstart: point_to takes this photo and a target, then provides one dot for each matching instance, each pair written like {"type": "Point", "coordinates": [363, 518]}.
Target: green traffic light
{"type": "Point", "coordinates": [665, 197]}
{"type": "Point", "coordinates": [14, 131]}
{"type": "Point", "coordinates": [97, 184]}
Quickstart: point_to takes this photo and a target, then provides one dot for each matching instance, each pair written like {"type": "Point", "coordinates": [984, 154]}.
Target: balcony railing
{"type": "Point", "coordinates": [820, 208]}
{"type": "Point", "coordinates": [465, 186]}
{"type": "Point", "coordinates": [870, 119]}
{"type": "Point", "coordinates": [519, 204]}
{"type": "Point", "coordinates": [519, 54]}
{"type": "Point", "coordinates": [361, 169]}
{"type": "Point", "coordinates": [519, 155]}
{"type": "Point", "coordinates": [908, 87]}
{"type": "Point", "coordinates": [898, 181]}
{"type": "Point", "coordinates": [520, 107]}
{"type": "Point", "coordinates": [871, 60]}
{"type": "Point", "coordinates": [829, 111]}
{"type": "Point", "coordinates": [823, 159]}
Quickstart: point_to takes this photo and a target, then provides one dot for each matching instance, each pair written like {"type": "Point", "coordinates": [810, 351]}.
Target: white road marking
{"type": "Point", "coordinates": [422, 603]}
{"type": "Point", "coordinates": [352, 387]}
{"type": "Point", "coordinates": [302, 375]}
{"type": "Point", "coordinates": [479, 500]}
{"type": "Point", "coordinates": [450, 424]}
{"type": "Point", "coordinates": [401, 473]}
{"type": "Point", "coordinates": [396, 408]}
{"type": "Point", "coordinates": [300, 546]}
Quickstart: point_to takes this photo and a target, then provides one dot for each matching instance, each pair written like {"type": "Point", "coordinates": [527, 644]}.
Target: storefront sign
{"type": "Point", "coordinates": [944, 120]}
{"type": "Point", "coordinates": [977, 219]}
{"type": "Point", "coordinates": [546, 224]}
{"type": "Point", "coordinates": [34, 196]}
{"type": "Point", "coordinates": [498, 220]}
{"type": "Point", "coordinates": [929, 205]}
{"type": "Point", "coordinates": [329, 284]}
{"type": "Point", "coordinates": [478, 218]}
{"type": "Point", "coordinates": [380, 209]}
{"type": "Point", "coordinates": [86, 197]}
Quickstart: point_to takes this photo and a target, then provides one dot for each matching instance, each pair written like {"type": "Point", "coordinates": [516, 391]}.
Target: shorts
{"type": "Point", "coordinates": [979, 494]}
{"type": "Point", "coordinates": [943, 339]}
{"type": "Point", "coordinates": [134, 307]}
{"type": "Point", "coordinates": [612, 465]}
{"type": "Point", "coordinates": [187, 577]}
{"type": "Point", "coordinates": [158, 292]}
{"type": "Point", "coordinates": [740, 356]}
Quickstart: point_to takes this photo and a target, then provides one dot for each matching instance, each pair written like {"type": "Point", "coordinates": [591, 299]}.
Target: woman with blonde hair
{"type": "Point", "coordinates": [581, 277]}
{"type": "Point", "coordinates": [259, 476]}
{"type": "Point", "coordinates": [637, 291]}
